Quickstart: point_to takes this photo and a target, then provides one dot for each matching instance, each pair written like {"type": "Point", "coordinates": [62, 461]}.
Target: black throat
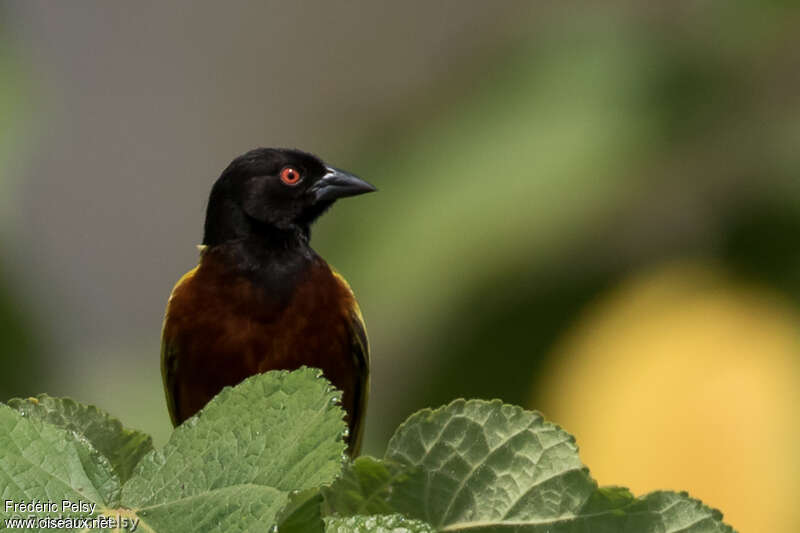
{"type": "Point", "coordinates": [274, 259]}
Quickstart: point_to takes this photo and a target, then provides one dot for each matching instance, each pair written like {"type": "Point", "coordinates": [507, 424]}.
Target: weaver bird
{"type": "Point", "coordinates": [261, 298]}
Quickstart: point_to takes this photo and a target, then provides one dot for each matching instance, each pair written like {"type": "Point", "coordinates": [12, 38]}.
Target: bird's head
{"type": "Point", "coordinates": [274, 190]}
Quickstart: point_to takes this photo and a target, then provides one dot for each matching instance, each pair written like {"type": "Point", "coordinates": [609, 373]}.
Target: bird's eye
{"type": "Point", "coordinates": [290, 175]}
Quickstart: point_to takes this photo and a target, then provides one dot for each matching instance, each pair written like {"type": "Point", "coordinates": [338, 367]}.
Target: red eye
{"type": "Point", "coordinates": [290, 175]}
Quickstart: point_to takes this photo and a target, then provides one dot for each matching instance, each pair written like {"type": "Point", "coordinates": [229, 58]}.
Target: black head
{"type": "Point", "coordinates": [274, 191]}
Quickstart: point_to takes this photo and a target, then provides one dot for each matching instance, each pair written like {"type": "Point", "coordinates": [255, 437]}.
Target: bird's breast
{"type": "Point", "coordinates": [230, 327]}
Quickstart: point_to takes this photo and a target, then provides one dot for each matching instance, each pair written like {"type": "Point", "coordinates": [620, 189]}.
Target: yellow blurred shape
{"type": "Point", "coordinates": [682, 379]}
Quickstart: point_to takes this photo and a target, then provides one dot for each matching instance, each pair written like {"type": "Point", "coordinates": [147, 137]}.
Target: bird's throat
{"type": "Point", "coordinates": [274, 263]}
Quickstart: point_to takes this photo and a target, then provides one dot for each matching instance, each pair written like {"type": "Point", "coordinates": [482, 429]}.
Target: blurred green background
{"type": "Point", "coordinates": [591, 211]}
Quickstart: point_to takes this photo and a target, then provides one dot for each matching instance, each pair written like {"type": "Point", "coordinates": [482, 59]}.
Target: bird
{"type": "Point", "coordinates": [260, 298]}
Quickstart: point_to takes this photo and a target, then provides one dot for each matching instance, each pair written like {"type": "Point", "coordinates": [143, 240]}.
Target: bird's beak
{"type": "Point", "coordinates": [339, 184]}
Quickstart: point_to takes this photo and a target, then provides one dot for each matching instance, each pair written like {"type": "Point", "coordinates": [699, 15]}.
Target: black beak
{"type": "Point", "coordinates": [339, 184]}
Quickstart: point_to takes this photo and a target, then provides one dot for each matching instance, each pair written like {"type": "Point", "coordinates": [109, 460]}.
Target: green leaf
{"type": "Point", "coordinates": [264, 453]}
{"type": "Point", "coordinates": [483, 466]}
{"type": "Point", "coordinates": [615, 510]}
{"type": "Point", "coordinates": [490, 463]}
{"type": "Point", "coordinates": [303, 514]}
{"type": "Point", "coordinates": [376, 524]}
{"type": "Point", "coordinates": [122, 447]}
{"type": "Point", "coordinates": [39, 461]}
{"type": "Point", "coordinates": [677, 512]}
{"type": "Point", "coordinates": [233, 465]}
{"type": "Point", "coordinates": [365, 487]}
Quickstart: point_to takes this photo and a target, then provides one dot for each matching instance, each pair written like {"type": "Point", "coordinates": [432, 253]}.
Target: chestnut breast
{"type": "Point", "coordinates": [221, 327]}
